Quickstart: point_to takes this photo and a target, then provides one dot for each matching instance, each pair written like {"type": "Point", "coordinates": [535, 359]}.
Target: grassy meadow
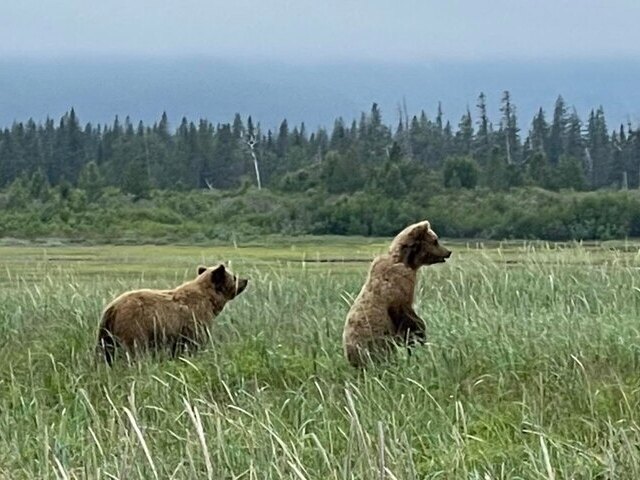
{"type": "Point", "coordinates": [532, 369]}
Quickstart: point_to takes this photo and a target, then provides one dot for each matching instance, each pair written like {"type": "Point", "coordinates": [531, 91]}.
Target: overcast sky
{"type": "Point", "coordinates": [323, 30]}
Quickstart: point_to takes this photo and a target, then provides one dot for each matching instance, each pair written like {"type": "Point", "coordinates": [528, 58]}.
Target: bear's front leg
{"type": "Point", "coordinates": [409, 327]}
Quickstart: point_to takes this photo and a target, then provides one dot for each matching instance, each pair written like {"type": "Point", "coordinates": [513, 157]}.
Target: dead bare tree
{"type": "Point", "coordinates": [406, 135]}
{"type": "Point", "coordinates": [589, 162]}
{"type": "Point", "coordinates": [251, 142]}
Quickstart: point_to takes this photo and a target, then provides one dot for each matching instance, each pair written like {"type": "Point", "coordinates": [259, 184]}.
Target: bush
{"type": "Point", "coordinates": [531, 213]}
{"type": "Point", "coordinates": [460, 172]}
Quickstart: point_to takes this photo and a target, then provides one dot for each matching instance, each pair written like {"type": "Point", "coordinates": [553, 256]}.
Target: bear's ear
{"type": "Point", "coordinates": [201, 269]}
{"type": "Point", "coordinates": [422, 231]}
{"type": "Point", "coordinates": [426, 224]}
{"type": "Point", "coordinates": [218, 275]}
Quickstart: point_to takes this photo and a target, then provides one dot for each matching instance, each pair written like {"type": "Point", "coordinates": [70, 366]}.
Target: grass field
{"type": "Point", "coordinates": [532, 368]}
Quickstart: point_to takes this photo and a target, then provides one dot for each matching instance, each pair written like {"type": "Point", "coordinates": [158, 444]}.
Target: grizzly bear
{"type": "Point", "coordinates": [382, 315]}
{"type": "Point", "coordinates": [177, 320]}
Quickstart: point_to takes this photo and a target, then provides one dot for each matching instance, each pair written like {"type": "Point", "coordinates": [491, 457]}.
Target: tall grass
{"type": "Point", "coordinates": [531, 371]}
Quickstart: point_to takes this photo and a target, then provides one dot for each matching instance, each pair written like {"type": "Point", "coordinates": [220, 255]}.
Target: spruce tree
{"type": "Point", "coordinates": [570, 173]}
{"type": "Point", "coordinates": [464, 136]}
{"type": "Point", "coordinates": [538, 170]}
{"type": "Point", "coordinates": [482, 140]}
{"type": "Point", "coordinates": [599, 145]}
{"type": "Point", "coordinates": [509, 129]}
{"type": "Point", "coordinates": [282, 142]}
{"type": "Point", "coordinates": [556, 133]}
{"type": "Point", "coordinates": [539, 136]}
{"type": "Point", "coordinates": [573, 141]}
{"type": "Point", "coordinates": [90, 180]}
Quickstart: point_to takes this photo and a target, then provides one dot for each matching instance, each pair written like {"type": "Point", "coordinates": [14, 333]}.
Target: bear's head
{"type": "Point", "coordinates": [418, 245]}
{"type": "Point", "coordinates": [224, 283]}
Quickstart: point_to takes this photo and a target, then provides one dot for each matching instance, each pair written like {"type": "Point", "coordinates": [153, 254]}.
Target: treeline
{"type": "Point", "coordinates": [556, 153]}
{"type": "Point", "coordinates": [199, 181]}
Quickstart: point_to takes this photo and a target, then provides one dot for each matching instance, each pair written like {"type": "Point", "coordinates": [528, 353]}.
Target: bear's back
{"type": "Point", "coordinates": [390, 281]}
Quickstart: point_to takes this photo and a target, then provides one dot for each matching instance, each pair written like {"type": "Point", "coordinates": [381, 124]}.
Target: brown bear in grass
{"type": "Point", "coordinates": [382, 315]}
{"type": "Point", "coordinates": [175, 320]}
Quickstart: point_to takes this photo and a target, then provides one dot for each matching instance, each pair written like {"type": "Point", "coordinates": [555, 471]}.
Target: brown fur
{"type": "Point", "coordinates": [382, 315]}
{"type": "Point", "coordinates": [175, 319]}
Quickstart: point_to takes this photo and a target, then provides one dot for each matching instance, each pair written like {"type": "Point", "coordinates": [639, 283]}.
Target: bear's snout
{"type": "Point", "coordinates": [438, 256]}
{"type": "Point", "coordinates": [241, 285]}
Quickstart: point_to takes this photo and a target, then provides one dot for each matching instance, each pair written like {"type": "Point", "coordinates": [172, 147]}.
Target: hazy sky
{"type": "Point", "coordinates": [323, 30]}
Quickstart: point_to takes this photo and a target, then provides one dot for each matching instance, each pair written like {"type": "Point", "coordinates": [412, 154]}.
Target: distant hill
{"type": "Point", "coordinates": [316, 94]}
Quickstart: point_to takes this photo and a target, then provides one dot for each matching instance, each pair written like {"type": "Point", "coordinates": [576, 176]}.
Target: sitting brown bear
{"type": "Point", "coordinates": [382, 315]}
{"type": "Point", "coordinates": [173, 319]}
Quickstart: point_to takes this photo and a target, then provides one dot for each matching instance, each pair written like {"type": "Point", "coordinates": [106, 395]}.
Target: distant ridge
{"type": "Point", "coordinates": [99, 89]}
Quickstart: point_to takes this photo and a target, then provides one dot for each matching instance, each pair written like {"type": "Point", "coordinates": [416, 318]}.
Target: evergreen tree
{"type": "Point", "coordinates": [250, 129]}
{"type": "Point", "coordinates": [539, 136]}
{"type": "Point", "coordinates": [538, 170]}
{"type": "Point", "coordinates": [342, 173]}
{"type": "Point", "coordinates": [633, 158]}
{"type": "Point", "coordinates": [162, 129]}
{"type": "Point", "coordinates": [90, 180]}
{"type": "Point", "coordinates": [282, 142]}
{"type": "Point", "coordinates": [74, 147]}
{"type": "Point", "coordinates": [48, 141]}
{"type": "Point", "coordinates": [460, 172]}
{"type": "Point", "coordinates": [464, 137]}
{"type": "Point", "coordinates": [39, 187]}
{"type": "Point", "coordinates": [440, 114]}
{"type": "Point", "coordinates": [339, 139]}
{"type": "Point", "coordinates": [238, 127]}
{"type": "Point", "coordinates": [483, 141]}
{"type": "Point", "coordinates": [496, 175]}
{"type": "Point", "coordinates": [556, 133]}
{"type": "Point", "coordinates": [599, 145]}
{"type": "Point", "coordinates": [136, 180]}
{"type": "Point", "coordinates": [570, 173]}
{"type": "Point", "coordinates": [509, 129]}
{"type": "Point", "coordinates": [375, 125]}
{"type": "Point", "coordinates": [573, 142]}
{"type": "Point", "coordinates": [12, 163]}
{"type": "Point", "coordinates": [389, 179]}
{"type": "Point", "coordinates": [619, 174]}
{"type": "Point", "coordinates": [373, 137]}
{"type": "Point", "coordinates": [31, 146]}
